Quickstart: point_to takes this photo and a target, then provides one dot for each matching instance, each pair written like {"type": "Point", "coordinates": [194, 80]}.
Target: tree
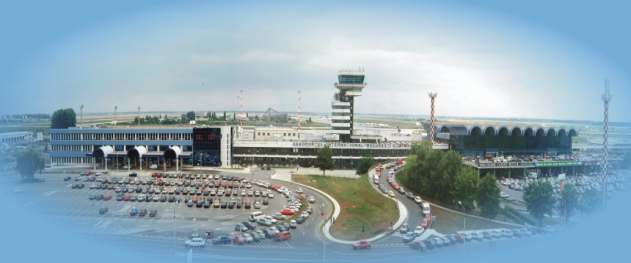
{"type": "Point", "coordinates": [432, 173]}
{"type": "Point", "coordinates": [489, 196]}
{"type": "Point", "coordinates": [539, 199]}
{"type": "Point", "coordinates": [63, 118]}
{"type": "Point", "coordinates": [569, 201]}
{"type": "Point", "coordinates": [465, 190]}
{"type": "Point", "coordinates": [28, 162]}
{"type": "Point", "coordinates": [325, 159]}
{"type": "Point", "coordinates": [364, 164]}
{"type": "Point", "coordinates": [190, 115]}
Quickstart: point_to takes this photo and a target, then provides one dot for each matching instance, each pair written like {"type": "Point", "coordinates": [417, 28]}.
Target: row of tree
{"type": "Point", "coordinates": [441, 176]}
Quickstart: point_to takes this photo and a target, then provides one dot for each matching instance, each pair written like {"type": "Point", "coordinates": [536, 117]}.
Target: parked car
{"type": "Point", "coordinates": [133, 211]}
{"type": "Point", "coordinates": [195, 242]}
{"type": "Point", "coordinates": [153, 213]}
{"type": "Point", "coordinates": [404, 228]}
{"type": "Point", "coordinates": [282, 236]}
{"type": "Point", "coordinates": [222, 240]}
{"type": "Point", "coordinates": [103, 210]}
{"type": "Point", "coordinates": [361, 245]}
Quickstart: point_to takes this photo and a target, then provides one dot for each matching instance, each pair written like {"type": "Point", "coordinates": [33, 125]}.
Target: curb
{"type": "Point", "coordinates": [336, 212]}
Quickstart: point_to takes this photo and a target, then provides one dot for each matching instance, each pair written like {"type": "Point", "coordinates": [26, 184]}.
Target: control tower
{"type": "Point", "coordinates": [350, 85]}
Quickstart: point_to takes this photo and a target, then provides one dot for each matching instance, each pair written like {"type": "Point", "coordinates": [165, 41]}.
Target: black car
{"type": "Point", "coordinates": [301, 219]}
{"type": "Point", "coordinates": [103, 210]}
{"type": "Point", "coordinates": [143, 212]}
{"type": "Point", "coordinates": [153, 213]}
{"type": "Point", "coordinates": [133, 175]}
{"type": "Point", "coordinates": [67, 178]}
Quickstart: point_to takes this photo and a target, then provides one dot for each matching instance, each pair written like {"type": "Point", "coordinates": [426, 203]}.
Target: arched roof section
{"type": "Point", "coordinates": [490, 131]}
{"type": "Point", "coordinates": [103, 151]}
{"type": "Point", "coordinates": [540, 132]}
{"type": "Point", "coordinates": [173, 152]}
{"type": "Point", "coordinates": [551, 132]}
{"type": "Point", "coordinates": [562, 133]}
{"type": "Point", "coordinates": [476, 131]}
{"type": "Point", "coordinates": [503, 131]}
{"type": "Point", "coordinates": [137, 152]}
{"type": "Point", "coordinates": [516, 131]}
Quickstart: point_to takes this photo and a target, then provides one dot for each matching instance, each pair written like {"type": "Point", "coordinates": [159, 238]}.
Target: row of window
{"type": "Point", "coordinates": [118, 148]}
{"type": "Point", "coordinates": [121, 136]}
{"type": "Point", "coordinates": [285, 134]}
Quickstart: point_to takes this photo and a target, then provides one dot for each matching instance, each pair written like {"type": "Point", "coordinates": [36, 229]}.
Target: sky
{"type": "Point", "coordinates": [484, 59]}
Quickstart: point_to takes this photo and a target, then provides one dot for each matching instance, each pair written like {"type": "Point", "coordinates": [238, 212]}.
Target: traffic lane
{"type": "Point", "coordinates": [415, 213]}
{"type": "Point", "coordinates": [279, 253]}
{"type": "Point", "coordinates": [310, 232]}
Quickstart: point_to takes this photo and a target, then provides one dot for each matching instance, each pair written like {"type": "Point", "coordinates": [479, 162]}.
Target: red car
{"type": "Point", "coordinates": [361, 245]}
{"type": "Point", "coordinates": [287, 212]}
{"type": "Point", "coordinates": [282, 236]}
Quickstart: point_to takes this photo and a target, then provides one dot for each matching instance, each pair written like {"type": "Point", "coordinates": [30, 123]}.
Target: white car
{"type": "Point", "coordinates": [426, 208]}
{"type": "Point", "coordinates": [195, 242]}
{"type": "Point", "coordinates": [391, 194]}
{"type": "Point", "coordinates": [417, 199]}
{"type": "Point", "coordinates": [418, 230]}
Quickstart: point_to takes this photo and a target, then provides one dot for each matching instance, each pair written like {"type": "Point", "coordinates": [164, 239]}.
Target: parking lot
{"type": "Point", "coordinates": [171, 208]}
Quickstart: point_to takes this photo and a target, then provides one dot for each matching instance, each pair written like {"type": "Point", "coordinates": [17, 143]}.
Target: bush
{"type": "Point", "coordinates": [364, 164]}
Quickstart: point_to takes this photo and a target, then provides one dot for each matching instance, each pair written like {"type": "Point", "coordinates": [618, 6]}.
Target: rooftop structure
{"type": "Point", "coordinates": [350, 85]}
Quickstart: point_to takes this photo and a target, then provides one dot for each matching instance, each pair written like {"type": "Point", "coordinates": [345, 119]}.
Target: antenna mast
{"type": "Point", "coordinates": [432, 117]}
{"type": "Point", "coordinates": [115, 111]}
{"type": "Point", "coordinates": [299, 115]}
{"type": "Point", "coordinates": [606, 97]}
{"type": "Point", "coordinates": [81, 113]}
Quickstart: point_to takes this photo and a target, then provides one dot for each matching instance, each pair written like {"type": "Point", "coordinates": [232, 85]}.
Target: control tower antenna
{"type": "Point", "coordinates": [299, 115]}
{"type": "Point", "coordinates": [432, 116]}
{"type": "Point", "coordinates": [606, 97]}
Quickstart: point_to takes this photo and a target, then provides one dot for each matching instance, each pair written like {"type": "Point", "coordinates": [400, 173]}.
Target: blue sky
{"type": "Point", "coordinates": [485, 59]}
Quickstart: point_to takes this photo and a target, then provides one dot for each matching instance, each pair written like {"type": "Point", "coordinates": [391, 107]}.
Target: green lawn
{"type": "Point", "coordinates": [364, 212]}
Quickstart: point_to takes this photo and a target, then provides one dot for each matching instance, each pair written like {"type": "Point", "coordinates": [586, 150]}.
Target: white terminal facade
{"type": "Point", "coordinates": [229, 146]}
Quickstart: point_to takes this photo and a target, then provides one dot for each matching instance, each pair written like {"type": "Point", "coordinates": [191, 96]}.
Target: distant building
{"type": "Point", "coordinates": [9, 139]}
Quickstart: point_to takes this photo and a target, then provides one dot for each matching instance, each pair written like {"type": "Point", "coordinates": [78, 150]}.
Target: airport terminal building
{"type": "Point", "coordinates": [228, 146]}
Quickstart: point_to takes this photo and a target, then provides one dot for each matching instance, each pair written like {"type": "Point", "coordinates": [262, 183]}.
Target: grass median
{"type": "Point", "coordinates": [364, 212]}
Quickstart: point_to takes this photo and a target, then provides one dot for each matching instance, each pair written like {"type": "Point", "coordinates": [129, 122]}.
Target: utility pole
{"type": "Point", "coordinates": [115, 111]}
{"type": "Point", "coordinates": [606, 97]}
{"type": "Point", "coordinates": [81, 113]}
{"type": "Point", "coordinates": [299, 115]}
{"type": "Point", "coordinates": [432, 117]}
